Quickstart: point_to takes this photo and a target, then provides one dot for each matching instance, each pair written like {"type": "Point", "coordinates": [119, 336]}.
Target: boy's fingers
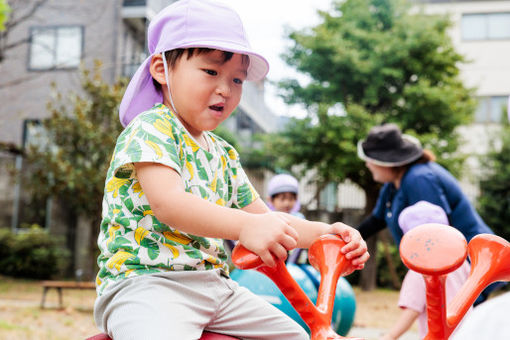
{"type": "Point", "coordinates": [289, 231]}
{"type": "Point", "coordinates": [360, 261]}
{"type": "Point", "coordinates": [279, 251]}
{"type": "Point", "coordinates": [267, 258]}
{"type": "Point", "coordinates": [289, 242]}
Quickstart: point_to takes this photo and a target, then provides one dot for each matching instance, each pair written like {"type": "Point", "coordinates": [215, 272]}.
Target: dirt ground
{"type": "Point", "coordinates": [21, 317]}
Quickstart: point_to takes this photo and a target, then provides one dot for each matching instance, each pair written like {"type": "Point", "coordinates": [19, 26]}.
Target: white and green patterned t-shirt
{"type": "Point", "coordinates": [131, 240]}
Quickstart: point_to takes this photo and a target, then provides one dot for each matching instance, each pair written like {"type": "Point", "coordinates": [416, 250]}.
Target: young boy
{"type": "Point", "coordinates": [282, 191]}
{"type": "Point", "coordinates": [174, 190]}
{"type": "Point", "coordinates": [413, 299]}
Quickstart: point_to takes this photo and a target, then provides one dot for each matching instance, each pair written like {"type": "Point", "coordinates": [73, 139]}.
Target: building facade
{"type": "Point", "coordinates": [480, 31]}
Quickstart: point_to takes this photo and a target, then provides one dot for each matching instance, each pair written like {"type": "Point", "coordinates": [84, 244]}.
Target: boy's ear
{"type": "Point", "coordinates": [157, 69]}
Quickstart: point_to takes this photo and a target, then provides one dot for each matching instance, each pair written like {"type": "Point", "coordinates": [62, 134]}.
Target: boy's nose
{"type": "Point", "coordinates": [223, 89]}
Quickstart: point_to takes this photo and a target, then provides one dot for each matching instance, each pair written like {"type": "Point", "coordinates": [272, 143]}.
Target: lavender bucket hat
{"type": "Point", "coordinates": [186, 24]}
{"type": "Point", "coordinates": [422, 212]}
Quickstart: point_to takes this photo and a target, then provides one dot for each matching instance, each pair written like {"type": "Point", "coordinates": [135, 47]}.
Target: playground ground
{"type": "Point", "coordinates": [21, 317]}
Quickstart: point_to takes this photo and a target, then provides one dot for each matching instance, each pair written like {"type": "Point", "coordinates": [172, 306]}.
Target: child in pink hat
{"type": "Point", "coordinates": [174, 190]}
{"type": "Point", "coordinates": [413, 300]}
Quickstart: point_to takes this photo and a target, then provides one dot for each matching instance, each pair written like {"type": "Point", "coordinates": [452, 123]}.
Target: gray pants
{"type": "Point", "coordinates": [180, 305]}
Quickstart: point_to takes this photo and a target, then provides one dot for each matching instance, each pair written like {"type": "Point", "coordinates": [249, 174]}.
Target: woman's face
{"type": "Point", "coordinates": [382, 174]}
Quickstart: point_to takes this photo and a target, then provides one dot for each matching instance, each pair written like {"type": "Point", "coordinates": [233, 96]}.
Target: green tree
{"type": "Point", "coordinates": [81, 134]}
{"type": "Point", "coordinates": [495, 187]}
{"type": "Point", "coordinates": [380, 62]}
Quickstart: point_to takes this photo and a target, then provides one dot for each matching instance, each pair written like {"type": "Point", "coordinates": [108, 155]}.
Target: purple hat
{"type": "Point", "coordinates": [187, 24]}
{"type": "Point", "coordinates": [282, 183]}
{"type": "Point", "coordinates": [420, 213]}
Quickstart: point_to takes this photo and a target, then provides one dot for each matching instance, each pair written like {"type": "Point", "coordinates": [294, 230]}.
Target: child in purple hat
{"type": "Point", "coordinates": [282, 192]}
{"type": "Point", "coordinates": [413, 300]}
{"type": "Point", "coordinates": [174, 190]}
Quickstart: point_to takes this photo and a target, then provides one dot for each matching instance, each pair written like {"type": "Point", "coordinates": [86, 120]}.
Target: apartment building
{"type": "Point", "coordinates": [481, 33]}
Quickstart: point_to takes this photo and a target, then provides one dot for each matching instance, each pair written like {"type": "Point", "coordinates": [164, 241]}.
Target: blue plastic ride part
{"type": "Point", "coordinates": [308, 279]}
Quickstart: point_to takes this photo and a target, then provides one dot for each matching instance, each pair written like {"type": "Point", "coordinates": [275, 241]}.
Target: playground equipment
{"type": "Point", "coordinates": [434, 250]}
{"type": "Point", "coordinates": [308, 278]}
{"type": "Point", "coordinates": [324, 255]}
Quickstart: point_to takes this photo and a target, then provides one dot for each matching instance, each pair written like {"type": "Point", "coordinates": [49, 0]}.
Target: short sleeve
{"type": "Point", "coordinates": [413, 293]}
{"type": "Point", "coordinates": [149, 138]}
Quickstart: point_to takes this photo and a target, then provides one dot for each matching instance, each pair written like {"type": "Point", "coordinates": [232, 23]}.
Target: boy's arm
{"type": "Point", "coordinates": [404, 322]}
{"type": "Point", "coordinates": [265, 234]}
{"type": "Point", "coordinates": [355, 249]}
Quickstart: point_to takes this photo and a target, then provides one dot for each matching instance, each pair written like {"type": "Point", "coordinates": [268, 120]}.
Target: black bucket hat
{"type": "Point", "coordinates": [385, 145]}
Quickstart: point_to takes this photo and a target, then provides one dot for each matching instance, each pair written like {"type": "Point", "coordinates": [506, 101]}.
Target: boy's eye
{"type": "Point", "coordinates": [211, 72]}
{"type": "Point", "coordinates": [238, 81]}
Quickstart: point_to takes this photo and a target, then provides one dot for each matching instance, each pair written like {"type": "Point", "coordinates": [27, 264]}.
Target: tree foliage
{"type": "Point", "coordinates": [4, 13]}
{"type": "Point", "coordinates": [381, 63]}
{"type": "Point", "coordinates": [81, 135]}
{"type": "Point", "coordinates": [495, 187]}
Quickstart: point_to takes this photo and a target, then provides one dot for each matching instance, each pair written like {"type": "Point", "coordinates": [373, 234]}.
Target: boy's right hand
{"type": "Point", "coordinates": [270, 236]}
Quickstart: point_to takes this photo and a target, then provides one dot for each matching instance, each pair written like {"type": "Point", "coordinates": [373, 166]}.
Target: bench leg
{"type": "Point", "coordinates": [60, 303]}
{"type": "Point", "coordinates": [45, 289]}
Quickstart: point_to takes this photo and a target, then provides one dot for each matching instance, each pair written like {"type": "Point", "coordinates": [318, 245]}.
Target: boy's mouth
{"type": "Point", "coordinates": [216, 107]}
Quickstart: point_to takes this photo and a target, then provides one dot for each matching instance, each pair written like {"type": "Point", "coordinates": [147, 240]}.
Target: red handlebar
{"type": "Point", "coordinates": [325, 256]}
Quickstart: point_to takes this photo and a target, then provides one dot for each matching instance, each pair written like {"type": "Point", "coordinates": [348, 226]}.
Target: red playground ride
{"type": "Point", "coordinates": [435, 250]}
{"type": "Point", "coordinates": [325, 256]}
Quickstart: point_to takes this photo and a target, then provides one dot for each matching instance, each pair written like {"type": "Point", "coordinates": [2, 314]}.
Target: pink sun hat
{"type": "Point", "coordinates": [187, 24]}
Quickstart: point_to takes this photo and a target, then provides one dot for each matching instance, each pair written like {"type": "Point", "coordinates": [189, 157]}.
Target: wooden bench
{"type": "Point", "coordinates": [59, 285]}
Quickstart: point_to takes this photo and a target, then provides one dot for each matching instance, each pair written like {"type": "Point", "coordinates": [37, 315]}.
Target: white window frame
{"type": "Point", "coordinates": [56, 59]}
{"type": "Point", "coordinates": [486, 35]}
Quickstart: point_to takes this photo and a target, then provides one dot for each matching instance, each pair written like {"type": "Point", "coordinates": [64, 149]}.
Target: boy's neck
{"type": "Point", "coordinates": [198, 136]}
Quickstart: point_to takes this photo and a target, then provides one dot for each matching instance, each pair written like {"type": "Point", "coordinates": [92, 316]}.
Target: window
{"type": "Point", "coordinates": [491, 109]}
{"type": "Point", "coordinates": [55, 47]}
{"type": "Point", "coordinates": [485, 26]}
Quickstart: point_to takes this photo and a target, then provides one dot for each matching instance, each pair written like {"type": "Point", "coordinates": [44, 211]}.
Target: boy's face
{"type": "Point", "coordinates": [206, 89]}
{"type": "Point", "coordinates": [284, 201]}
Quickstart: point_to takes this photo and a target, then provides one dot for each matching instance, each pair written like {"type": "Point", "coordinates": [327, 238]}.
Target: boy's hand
{"type": "Point", "coordinates": [356, 249]}
{"type": "Point", "coordinates": [270, 236]}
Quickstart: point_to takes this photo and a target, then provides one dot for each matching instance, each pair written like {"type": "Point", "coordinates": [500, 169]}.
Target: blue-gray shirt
{"type": "Point", "coordinates": [433, 183]}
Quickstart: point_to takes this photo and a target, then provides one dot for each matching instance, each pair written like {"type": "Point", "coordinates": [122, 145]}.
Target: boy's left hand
{"type": "Point", "coordinates": [355, 249]}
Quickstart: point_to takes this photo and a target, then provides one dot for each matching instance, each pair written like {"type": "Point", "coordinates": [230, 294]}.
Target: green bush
{"type": "Point", "coordinates": [31, 253]}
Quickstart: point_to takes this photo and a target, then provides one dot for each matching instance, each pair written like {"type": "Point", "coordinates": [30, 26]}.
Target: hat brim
{"type": "Point", "coordinates": [141, 94]}
{"type": "Point", "coordinates": [258, 68]}
{"type": "Point", "coordinates": [410, 152]}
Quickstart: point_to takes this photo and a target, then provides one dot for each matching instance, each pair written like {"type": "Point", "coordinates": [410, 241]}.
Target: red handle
{"type": "Point", "coordinates": [325, 255]}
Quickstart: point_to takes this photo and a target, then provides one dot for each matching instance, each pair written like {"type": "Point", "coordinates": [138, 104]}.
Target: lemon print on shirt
{"type": "Point", "coordinates": [176, 237]}
{"type": "Point", "coordinates": [155, 147]}
{"type": "Point", "coordinates": [164, 127]}
{"type": "Point", "coordinates": [119, 259]}
{"type": "Point", "coordinates": [190, 142]}
{"type": "Point", "coordinates": [115, 184]}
